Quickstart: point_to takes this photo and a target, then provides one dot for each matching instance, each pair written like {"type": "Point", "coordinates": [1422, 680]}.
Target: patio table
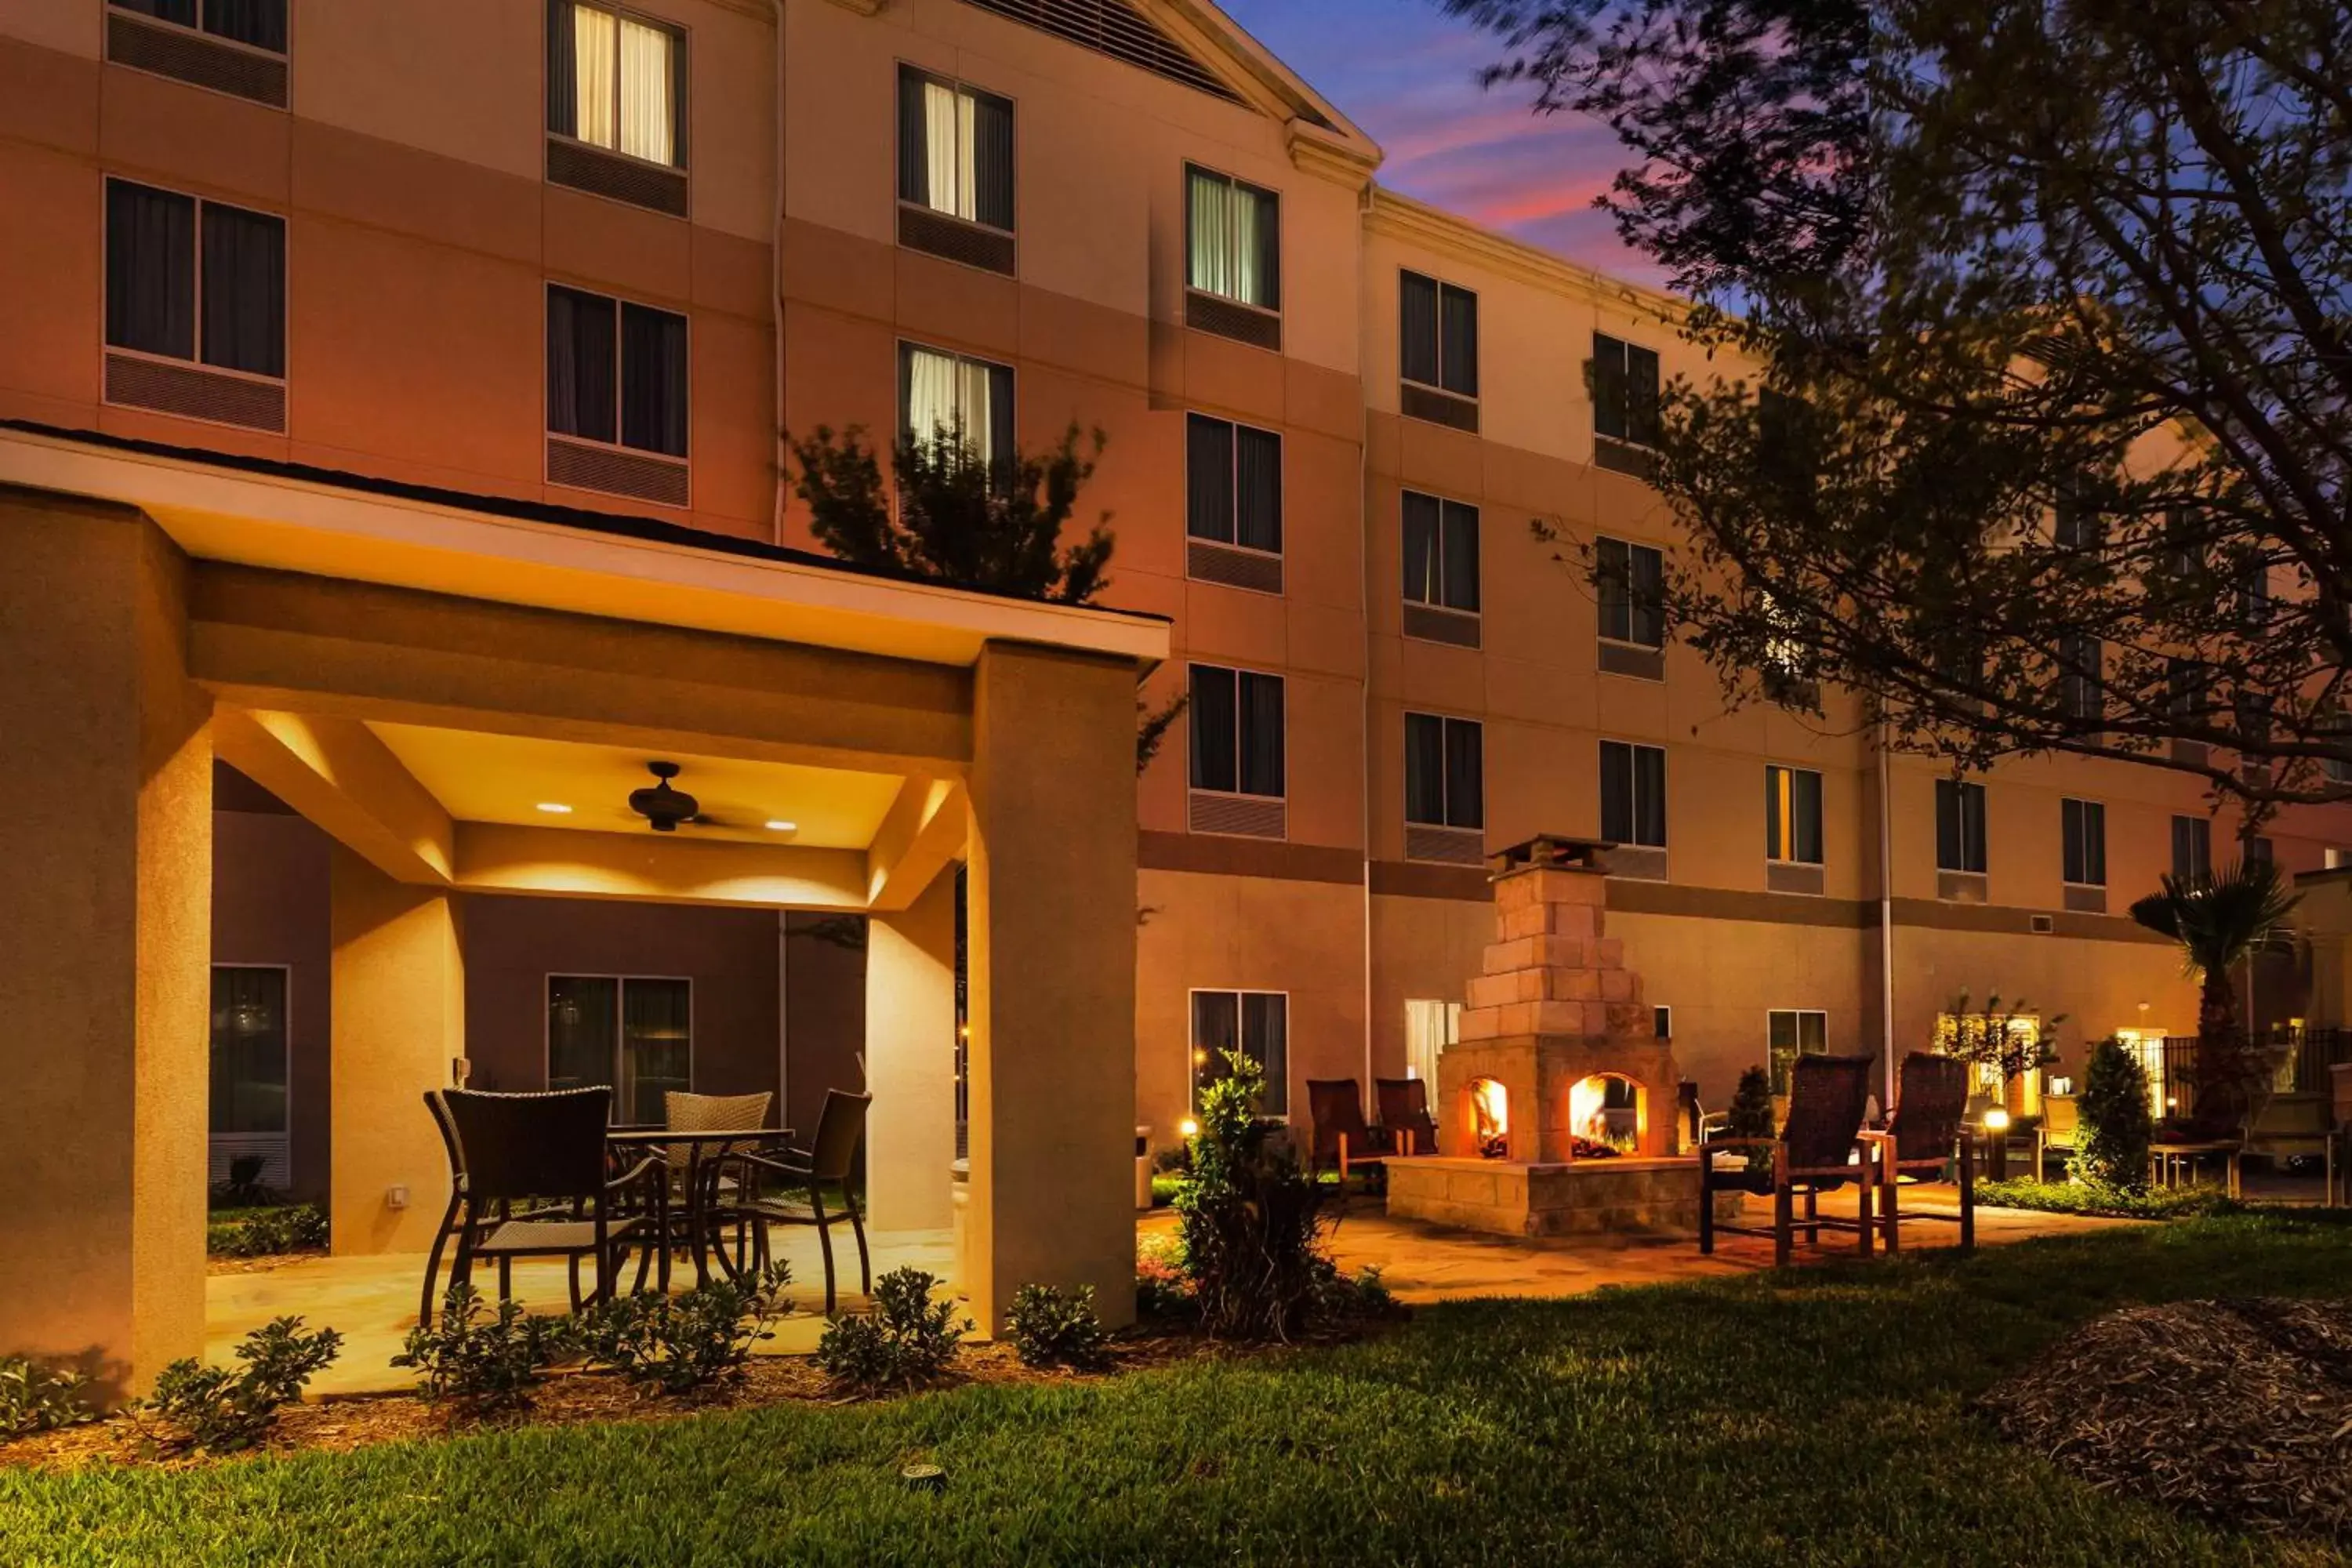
{"type": "Point", "coordinates": [702, 1148]}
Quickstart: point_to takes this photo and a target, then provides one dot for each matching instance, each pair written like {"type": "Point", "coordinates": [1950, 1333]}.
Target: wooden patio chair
{"type": "Point", "coordinates": [1342, 1141]}
{"type": "Point", "coordinates": [1405, 1115]}
{"type": "Point", "coordinates": [1813, 1154]}
{"type": "Point", "coordinates": [790, 1189]}
{"type": "Point", "coordinates": [545, 1154]}
{"type": "Point", "coordinates": [1928, 1132]}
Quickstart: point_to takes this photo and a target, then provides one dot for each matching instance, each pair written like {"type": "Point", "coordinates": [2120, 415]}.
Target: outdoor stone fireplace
{"type": "Point", "coordinates": [1555, 1110]}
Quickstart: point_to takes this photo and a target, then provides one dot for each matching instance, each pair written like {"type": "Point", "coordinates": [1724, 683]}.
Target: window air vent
{"type": "Point", "coordinates": [1451, 846]}
{"type": "Point", "coordinates": [643, 475]}
{"type": "Point", "coordinates": [197, 58]}
{"type": "Point", "coordinates": [1421, 402]}
{"type": "Point", "coordinates": [1206, 561]}
{"type": "Point", "coordinates": [276, 1163]}
{"type": "Point", "coordinates": [1960, 887]}
{"type": "Point", "coordinates": [1115, 29]}
{"type": "Point", "coordinates": [1792, 877]}
{"type": "Point", "coordinates": [1243, 323]}
{"type": "Point", "coordinates": [196, 392]}
{"type": "Point", "coordinates": [1640, 862]}
{"type": "Point", "coordinates": [1245, 816]}
{"type": "Point", "coordinates": [1630, 658]}
{"type": "Point", "coordinates": [1622, 456]}
{"type": "Point", "coordinates": [952, 238]}
{"type": "Point", "coordinates": [2045, 925]}
{"type": "Point", "coordinates": [2087, 900]}
{"type": "Point", "coordinates": [1429, 623]}
{"type": "Point", "coordinates": [611, 174]}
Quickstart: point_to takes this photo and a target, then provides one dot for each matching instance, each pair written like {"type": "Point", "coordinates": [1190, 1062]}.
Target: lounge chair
{"type": "Point", "coordinates": [1343, 1140]}
{"type": "Point", "coordinates": [1927, 1133]}
{"type": "Point", "coordinates": [1813, 1154]}
{"type": "Point", "coordinates": [790, 1189]}
{"type": "Point", "coordinates": [1405, 1115]}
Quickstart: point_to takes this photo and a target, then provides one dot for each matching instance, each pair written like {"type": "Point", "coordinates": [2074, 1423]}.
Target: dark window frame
{"type": "Point", "coordinates": [1960, 827]}
{"type": "Point", "coordinates": [910, 73]}
{"type": "Point", "coordinates": [681, 84]}
{"type": "Point", "coordinates": [200, 324]}
{"type": "Point", "coordinates": [1269, 258]}
{"type": "Point", "coordinates": [1626, 381]}
{"type": "Point", "coordinates": [1207, 1067]}
{"type": "Point", "coordinates": [1247, 765]}
{"type": "Point", "coordinates": [619, 1076]}
{"type": "Point", "coordinates": [2082, 842]}
{"type": "Point", "coordinates": [1234, 432]}
{"type": "Point", "coordinates": [1628, 608]}
{"type": "Point", "coordinates": [1781, 1061]}
{"type": "Point", "coordinates": [1644, 824]}
{"type": "Point", "coordinates": [1456, 375]}
{"type": "Point", "coordinates": [2192, 848]}
{"type": "Point", "coordinates": [622, 307]}
{"type": "Point", "coordinates": [200, 12]}
{"type": "Point", "coordinates": [1784, 792]}
{"type": "Point", "coordinates": [1447, 593]}
{"type": "Point", "coordinates": [1449, 811]}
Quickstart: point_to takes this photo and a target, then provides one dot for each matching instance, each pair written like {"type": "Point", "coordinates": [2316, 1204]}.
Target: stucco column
{"type": "Point", "coordinates": [1050, 956]}
{"type": "Point", "coordinates": [910, 1061]}
{"type": "Point", "coordinates": [105, 942]}
{"type": "Point", "coordinates": [399, 1022]}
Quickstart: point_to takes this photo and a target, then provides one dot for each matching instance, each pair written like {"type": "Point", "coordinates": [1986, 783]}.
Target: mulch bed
{"type": "Point", "coordinates": [2239, 1412]}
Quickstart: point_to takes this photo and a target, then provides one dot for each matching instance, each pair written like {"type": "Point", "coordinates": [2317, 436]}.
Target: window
{"type": "Point", "coordinates": [1632, 794]}
{"type": "Point", "coordinates": [195, 280]}
{"type": "Point", "coordinates": [944, 395]}
{"type": "Point", "coordinates": [1429, 1025]}
{"type": "Point", "coordinates": [2083, 825]}
{"type": "Point", "coordinates": [615, 372]}
{"type": "Point", "coordinates": [1438, 335]}
{"type": "Point", "coordinates": [2192, 849]}
{"type": "Point", "coordinates": [2255, 594]}
{"type": "Point", "coordinates": [1624, 391]}
{"type": "Point", "coordinates": [1233, 484]}
{"type": "Point", "coordinates": [1237, 737]}
{"type": "Point", "coordinates": [2185, 686]}
{"type": "Point", "coordinates": [1444, 782]}
{"type": "Point", "coordinates": [259, 23]}
{"type": "Point", "coordinates": [617, 80]}
{"type": "Point", "coordinates": [248, 1050]}
{"type": "Point", "coordinates": [1255, 1023]}
{"type": "Point", "coordinates": [2257, 848]}
{"type": "Point", "coordinates": [1661, 1023]}
{"type": "Point", "coordinates": [1440, 552]}
{"type": "Point", "coordinates": [633, 1034]}
{"type": "Point", "coordinates": [2077, 523]}
{"type": "Point", "coordinates": [1234, 243]}
{"type": "Point", "coordinates": [1960, 825]}
{"type": "Point", "coordinates": [1793, 815]}
{"type": "Point", "coordinates": [1630, 578]}
{"type": "Point", "coordinates": [955, 149]}
{"type": "Point", "coordinates": [1790, 1033]}
{"type": "Point", "coordinates": [2081, 691]}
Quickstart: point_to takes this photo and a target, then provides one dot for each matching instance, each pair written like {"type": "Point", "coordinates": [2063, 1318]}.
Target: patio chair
{"type": "Point", "coordinates": [1813, 1154]}
{"type": "Point", "coordinates": [1405, 1115]}
{"type": "Point", "coordinates": [545, 1154]}
{"type": "Point", "coordinates": [1928, 1132]}
{"type": "Point", "coordinates": [1343, 1140]}
{"type": "Point", "coordinates": [686, 1112]}
{"type": "Point", "coordinates": [789, 1188]}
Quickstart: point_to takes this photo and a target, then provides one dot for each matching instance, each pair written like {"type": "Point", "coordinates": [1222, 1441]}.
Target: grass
{"type": "Point", "coordinates": [1818, 1415]}
{"type": "Point", "coordinates": [2088, 1198]}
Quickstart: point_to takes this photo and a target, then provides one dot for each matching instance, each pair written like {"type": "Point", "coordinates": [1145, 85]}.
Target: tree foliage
{"type": "Point", "coordinates": [2003, 1039]}
{"type": "Point", "coordinates": [2050, 444]}
{"type": "Point", "coordinates": [2115, 1124]}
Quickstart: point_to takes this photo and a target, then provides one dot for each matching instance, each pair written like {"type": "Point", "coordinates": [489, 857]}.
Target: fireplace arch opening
{"type": "Point", "coordinates": [1490, 1118]}
{"type": "Point", "coordinates": [1608, 1115]}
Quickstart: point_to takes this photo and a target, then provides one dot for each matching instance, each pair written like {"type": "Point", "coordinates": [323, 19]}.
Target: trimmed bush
{"type": "Point", "coordinates": [2116, 1125]}
{"type": "Point", "coordinates": [2096, 1197]}
{"type": "Point", "coordinates": [1750, 1115]}
{"type": "Point", "coordinates": [220, 1411]}
{"type": "Point", "coordinates": [1252, 1220]}
{"type": "Point", "coordinates": [483, 1364]}
{"type": "Point", "coordinates": [1057, 1328]}
{"type": "Point", "coordinates": [908, 1342]}
{"type": "Point", "coordinates": [269, 1232]}
{"type": "Point", "coordinates": [34, 1397]}
{"type": "Point", "coordinates": [677, 1344]}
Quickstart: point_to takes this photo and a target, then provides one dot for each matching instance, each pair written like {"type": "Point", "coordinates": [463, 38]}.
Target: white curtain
{"type": "Point", "coordinates": [648, 82]}
{"type": "Point", "coordinates": [594, 64]}
{"type": "Point", "coordinates": [947, 149]}
{"type": "Point", "coordinates": [1243, 210]}
{"type": "Point", "coordinates": [1211, 268]}
{"type": "Point", "coordinates": [972, 402]}
{"type": "Point", "coordinates": [931, 389]}
{"type": "Point", "coordinates": [1429, 1028]}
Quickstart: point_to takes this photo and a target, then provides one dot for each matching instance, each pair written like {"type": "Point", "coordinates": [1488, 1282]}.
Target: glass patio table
{"type": "Point", "coordinates": [697, 1183]}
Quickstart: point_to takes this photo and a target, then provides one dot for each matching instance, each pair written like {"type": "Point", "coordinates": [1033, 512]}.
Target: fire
{"type": "Point", "coordinates": [1587, 1100]}
{"type": "Point", "coordinates": [1492, 1104]}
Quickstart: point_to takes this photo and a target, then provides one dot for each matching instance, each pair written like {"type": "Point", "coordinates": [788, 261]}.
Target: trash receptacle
{"type": "Point", "coordinates": [1143, 1167]}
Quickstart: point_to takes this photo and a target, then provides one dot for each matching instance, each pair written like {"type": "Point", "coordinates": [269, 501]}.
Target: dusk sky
{"type": "Point", "coordinates": [1408, 74]}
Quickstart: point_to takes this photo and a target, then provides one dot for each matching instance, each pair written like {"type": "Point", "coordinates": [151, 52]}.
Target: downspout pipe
{"type": "Point", "coordinates": [776, 292]}
{"type": "Point", "coordinates": [1364, 541]}
{"type": "Point", "coordinates": [1885, 910]}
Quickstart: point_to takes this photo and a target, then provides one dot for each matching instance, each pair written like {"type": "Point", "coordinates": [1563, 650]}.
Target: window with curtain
{"type": "Point", "coordinates": [1256, 1023]}
{"type": "Point", "coordinates": [635, 1035]}
{"type": "Point", "coordinates": [1438, 335]}
{"type": "Point", "coordinates": [1790, 1033]}
{"type": "Point", "coordinates": [1440, 552]}
{"type": "Point", "coordinates": [258, 23]}
{"type": "Point", "coordinates": [1232, 483]}
{"type": "Point", "coordinates": [1429, 1025]}
{"type": "Point", "coordinates": [2083, 827]}
{"type": "Point", "coordinates": [1793, 815]}
{"type": "Point", "coordinates": [194, 279]}
{"type": "Point", "coordinates": [1960, 825]}
{"type": "Point", "coordinates": [1237, 733]}
{"type": "Point", "coordinates": [1632, 580]}
{"type": "Point", "coordinates": [2192, 848]}
{"type": "Point", "coordinates": [2081, 691]}
{"type": "Point", "coordinates": [1445, 771]}
{"type": "Point", "coordinates": [1234, 245]}
{"type": "Point", "coordinates": [955, 149]}
{"type": "Point", "coordinates": [617, 80]}
{"type": "Point", "coordinates": [1624, 391]}
{"type": "Point", "coordinates": [944, 396]}
{"type": "Point", "coordinates": [1634, 794]}
{"type": "Point", "coordinates": [248, 1049]}
{"type": "Point", "coordinates": [616, 371]}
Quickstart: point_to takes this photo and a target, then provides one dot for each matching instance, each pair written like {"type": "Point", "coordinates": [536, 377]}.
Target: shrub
{"type": "Point", "coordinates": [1057, 1328]}
{"type": "Point", "coordinates": [485, 1364]}
{"type": "Point", "coordinates": [2097, 1197]}
{"type": "Point", "coordinates": [296, 1227]}
{"type": "Point", "coordinates": [1361, 1296]}
{"type": "Point", "coordinates": [1749, 1114]}
{"type": "Point", "coordinates": [907, 1341]}
{"type": "Point", "coordinates": [1162, 1288]}
{"type": "Point", "coordinates": [675, 1345]}
{"type": "Point", "coordinates": [2115, 1126]}
{"type": "Point", "coordinates": [1252, 1221]}
{"type": "Point", "coordinates": [244, 1188]}
{"type": "Point", "coordinates": [220, 1411]}
{"type": "Point", "coordinates": [37, 1398]}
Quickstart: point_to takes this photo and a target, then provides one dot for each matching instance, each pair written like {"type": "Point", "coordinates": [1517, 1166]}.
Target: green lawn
{"type": "Point", "coordinates": [1817, 1416]}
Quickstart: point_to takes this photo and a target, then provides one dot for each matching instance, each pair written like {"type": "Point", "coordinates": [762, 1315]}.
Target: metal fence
{"type": "Point", "coordinates": [2306, 1057]}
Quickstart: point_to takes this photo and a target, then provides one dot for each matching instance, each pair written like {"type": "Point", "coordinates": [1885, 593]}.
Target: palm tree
{"type": "Point", "coordinates": [2218, 920]}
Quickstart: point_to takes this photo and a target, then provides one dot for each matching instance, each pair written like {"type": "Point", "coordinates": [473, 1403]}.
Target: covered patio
{"type": "Point", "coordinates": [418, 674]}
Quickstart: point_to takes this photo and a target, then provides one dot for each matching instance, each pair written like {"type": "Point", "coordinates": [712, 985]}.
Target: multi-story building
{"type": "Point", "coordinates": [596, 261]}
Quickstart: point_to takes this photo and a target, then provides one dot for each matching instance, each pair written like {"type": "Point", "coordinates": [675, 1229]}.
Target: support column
{"type": "Point", "coordinates": [400, 1022]}
{"type": "Point", "coordinates": [910, 1061]}
{"type": "Point", "coordinates": [105, 943]}
{"type": "Point", "coordinates": [1051, 960]}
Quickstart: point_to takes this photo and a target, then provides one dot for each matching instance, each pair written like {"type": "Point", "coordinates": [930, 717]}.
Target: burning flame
{"type": "Point", "coordinates": [1588, 1101]}
{"type": "Point", "coordinates": [1493, 1105]}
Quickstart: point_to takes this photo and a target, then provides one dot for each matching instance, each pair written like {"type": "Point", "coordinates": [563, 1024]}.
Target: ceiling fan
{"type": "Point", "coordinates": [666, 806]}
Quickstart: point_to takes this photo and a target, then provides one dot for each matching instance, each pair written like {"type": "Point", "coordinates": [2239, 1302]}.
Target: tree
{"type": "Point", "coordinates": [2003, 1041]}
{"type": "Point", "coordinates": [2116, 1122]}
{"type": "Point", "coordinates": [962, 518]}
{"type": "Point", "coordinates": [2218, 920]}
{"type": "Point", "coordinates": [2050, 439]}
{"type": "Point", "coordinates": [1750, 1112]}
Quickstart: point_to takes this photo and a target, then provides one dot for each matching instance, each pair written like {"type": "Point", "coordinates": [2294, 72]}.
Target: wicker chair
{"type": "Point", "coordinates": [1405, 1115]}
{"type": "Point", "coordinates": [685, 1113]}
{"type": "Point", "coordinates": [525, 1150]}
{"type": "Point", "coordinates": [1343, 1140]}
{"type": "Point", "coordinates": [772, 1182]}
{"type": "Point", "coordinates": [1927, 1132]}
{"type": "Point", "coordinates": [1813, 1154]}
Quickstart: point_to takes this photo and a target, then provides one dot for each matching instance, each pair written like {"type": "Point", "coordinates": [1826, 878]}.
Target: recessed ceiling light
{"type": "Point", "coordinates": [554, 808]}
{"type": "Point", "coordinates": [780, 825]}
